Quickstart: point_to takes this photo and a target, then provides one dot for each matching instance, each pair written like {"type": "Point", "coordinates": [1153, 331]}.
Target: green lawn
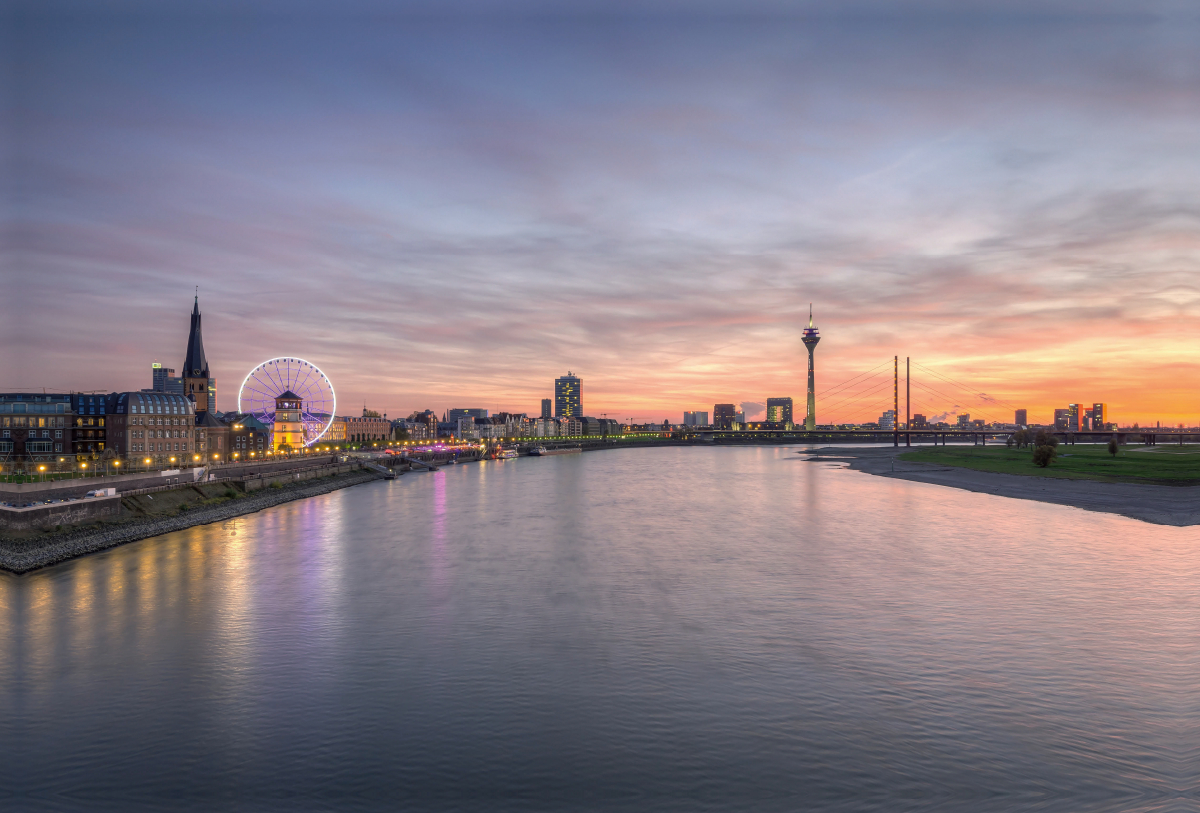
{"type": "Point", "coordinates": [1168, 465]}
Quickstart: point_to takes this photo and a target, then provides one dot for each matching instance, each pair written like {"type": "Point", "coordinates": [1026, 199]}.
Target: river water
{"type": "Point", "coordinates": [644, 629]}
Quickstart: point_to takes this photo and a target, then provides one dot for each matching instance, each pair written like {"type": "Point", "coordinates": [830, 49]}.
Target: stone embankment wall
{"type": "Point", "coordinates": [20, 555]}
{"type": "Point", "coordinates": [90, 509]}
{"type": "Point", "coordinates": [62, 489]}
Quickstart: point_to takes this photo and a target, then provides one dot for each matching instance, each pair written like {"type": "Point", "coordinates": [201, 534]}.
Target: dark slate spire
{"type": "Point", "coordinates": [195, 365]}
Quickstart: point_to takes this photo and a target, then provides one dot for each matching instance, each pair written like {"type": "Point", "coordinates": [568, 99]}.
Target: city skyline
{"type": "Point", "coordinates": [458, 224]}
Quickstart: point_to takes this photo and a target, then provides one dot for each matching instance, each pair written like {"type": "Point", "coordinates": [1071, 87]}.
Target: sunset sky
{"type": "Point", "coordinates": [450, 208]}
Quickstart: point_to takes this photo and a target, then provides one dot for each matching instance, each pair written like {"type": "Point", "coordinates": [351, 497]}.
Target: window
{"type": "Point", "coordinates": [58, 433]}
{"type": "Point", "coordinates": [58, 447]}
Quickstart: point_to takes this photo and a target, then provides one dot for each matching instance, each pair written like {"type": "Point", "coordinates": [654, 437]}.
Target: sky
{"type": "Point", "coordinates": [449, 205]}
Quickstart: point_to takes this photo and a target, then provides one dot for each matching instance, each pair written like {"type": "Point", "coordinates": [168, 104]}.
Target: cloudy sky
{"type": "Point", "coordinates": [450, 206]}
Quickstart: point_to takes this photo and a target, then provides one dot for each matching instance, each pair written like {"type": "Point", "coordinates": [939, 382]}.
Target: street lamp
{"type": "Point", "coordinates": [42, 469]}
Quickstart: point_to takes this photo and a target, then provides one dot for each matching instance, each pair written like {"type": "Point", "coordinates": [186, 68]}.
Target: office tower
{"type": "Point", "coordinates": [724, 415]}
{"type": "Point", "coordinates": [160, 375]}
{"type": "Point", "coordinates": [888, 420]}
{"type": "Point", "coordinates": [453, 415]}
{"type": "Point", "coordinates": [779, 410]}
{"type": "Point", "coordinates": [547, 408]}
{"type": "Point", "coordinates": [695, 419]}
{"type": "Point", "coordinates": [1099, 416]}
{"type": "Point", "coordinates": [811, 337]}
{"type": "Point", "coordinates": [964, 420]}
{"type": "Point", "coordinates": [919, 421]}
{"type": "Point", "coordinates": [1061, 418]}
{"type": "Point", "coordinates": [1074, 417]}
{"type": "Point", "coordinates": [1022, 418]}
{"type": "Point", "coordinates": [568, 396]}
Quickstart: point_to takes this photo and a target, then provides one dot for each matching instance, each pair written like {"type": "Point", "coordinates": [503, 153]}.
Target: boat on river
{"type": "Point", "coordinates": [542, 451]}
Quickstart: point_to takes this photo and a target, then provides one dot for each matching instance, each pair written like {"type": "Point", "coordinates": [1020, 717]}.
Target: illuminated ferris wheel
{"type": "Point", "coordinates": [273, 378]}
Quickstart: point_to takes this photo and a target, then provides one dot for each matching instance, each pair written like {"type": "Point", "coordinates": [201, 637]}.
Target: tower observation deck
{"type": "Point", "coordinates": [811, 337]}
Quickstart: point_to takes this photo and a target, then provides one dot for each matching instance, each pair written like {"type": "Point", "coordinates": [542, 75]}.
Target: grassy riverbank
{"type": "Point", "coordinates": [1162, 465]}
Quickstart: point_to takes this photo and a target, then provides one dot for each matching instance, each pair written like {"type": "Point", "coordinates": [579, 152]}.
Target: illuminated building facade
{"type": "Point", "coordinates": [779, 410]}
{"type": "Point", "coordinates": [724, 416]}
{"type": "Point", "coordinates": [568, 396]}
{"type": "Point", "coordinates": [288, 433]}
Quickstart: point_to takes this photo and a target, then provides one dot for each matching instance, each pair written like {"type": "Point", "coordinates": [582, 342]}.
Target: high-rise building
{"type": "Point", "coordinates": [453, 415]}
{"type": "Point", "coordinates": [919, 421]}
{"type": "Point", "coordinates": [964, 420]}
{"type": "Point", "coordinates": [165, 380]}
{"type": "Point", "coordinates": [724, 415]}
{"type": "Point", "coordinates": [1062, 419]}
{"type": "Point", "coordinates": [160, 374]}
{"type": "Point", "coordinates": [779, 410]}
{"type": "Point", "coordinates": [695, 419]}
{"type": "Point", "coordinates": [1074, 417]}
{"type": "Point", "coordinates": [568, 396]}
{"type": "Point", "coordinates": [547, 408]}
{"type": "Point", "coordinates": [888, 420]}
{"type": "Point", "coordinates": [1099, 416]}
{"type": "Point", "coordinates": [195, 366]}
{"type": "Point", "coordinates": [1022, 418]}
{"type": "Point", "coordinates": [811, 337]}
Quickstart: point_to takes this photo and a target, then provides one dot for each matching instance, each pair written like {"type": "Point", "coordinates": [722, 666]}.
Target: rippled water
{"type": "Point", "coordinates": [646, 629]}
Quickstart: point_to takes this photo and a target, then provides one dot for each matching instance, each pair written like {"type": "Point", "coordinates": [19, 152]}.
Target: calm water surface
{"type": "Point", "coordinates": [646, 629]}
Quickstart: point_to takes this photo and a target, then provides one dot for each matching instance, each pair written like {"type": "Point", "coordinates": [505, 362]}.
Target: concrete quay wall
{"type": "Point", "coordinates": [23, 555]}
{"type": "Point", "coordinates": [91, 509]}
{"type": "Point", "coordinates": [62, 489]}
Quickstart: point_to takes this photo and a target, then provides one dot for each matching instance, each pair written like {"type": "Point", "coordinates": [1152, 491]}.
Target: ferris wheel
{"type": "Point", "coordinates": [273, 378]}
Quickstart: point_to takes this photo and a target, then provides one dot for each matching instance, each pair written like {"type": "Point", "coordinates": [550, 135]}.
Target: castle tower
{"type": "Point", "coordinates": [287, 434]}
{"type": "Point", "coordinates": [195, 366]}
{"type": "Point", "coordinates": [811, 337]}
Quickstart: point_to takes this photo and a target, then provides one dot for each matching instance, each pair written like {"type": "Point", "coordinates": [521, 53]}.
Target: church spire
{"type": "Point", "coordinates": [195, 365]}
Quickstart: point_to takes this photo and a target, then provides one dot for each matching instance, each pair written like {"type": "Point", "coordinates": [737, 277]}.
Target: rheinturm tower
{"type": "Point", "coordinates": [195, 366]}
{"type": "Point", "coordinates": [811, 337]}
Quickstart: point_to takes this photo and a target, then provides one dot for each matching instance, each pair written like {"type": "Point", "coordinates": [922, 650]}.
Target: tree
{"type": "Point", "coordinates": [1044, 438]}
{"type": "Point", "coordinates": [1042, 455]}
{"type": "Point", "coordinates": [1112, 447]}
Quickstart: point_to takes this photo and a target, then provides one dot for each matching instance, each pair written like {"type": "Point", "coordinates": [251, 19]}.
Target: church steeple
{"type": "Point", "coordinates": [195, 365]}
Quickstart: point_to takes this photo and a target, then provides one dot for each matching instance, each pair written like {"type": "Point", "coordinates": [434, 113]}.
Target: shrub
{"type": "Point", "coordinates": [183, 507]}
{"type": "Point", "coordinates": [1042, 455]}
{"type": "Point", "coordinates": [276, 484]}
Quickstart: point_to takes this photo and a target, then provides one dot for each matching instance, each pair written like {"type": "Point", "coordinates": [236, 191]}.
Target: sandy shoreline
{"type": "Point", "coordinates": [1160, 505]}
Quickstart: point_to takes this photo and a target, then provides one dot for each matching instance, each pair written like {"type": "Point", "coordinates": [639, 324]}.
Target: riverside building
{"type": "Point", "coordinates": [35, 426]}
{"type": "Point", "coordinates": [155, 427]}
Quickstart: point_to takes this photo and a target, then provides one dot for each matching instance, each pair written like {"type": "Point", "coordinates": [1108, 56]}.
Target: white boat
{"type": "Point", "coordinates": [507, 454]}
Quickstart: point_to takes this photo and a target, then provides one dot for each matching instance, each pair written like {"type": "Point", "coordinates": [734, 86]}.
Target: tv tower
{"type": "Point", "coordinates": [811, 337]}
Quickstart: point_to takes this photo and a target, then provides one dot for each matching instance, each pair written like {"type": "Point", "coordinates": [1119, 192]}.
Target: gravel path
{"type": "Point", "coordinates": [24, 555]}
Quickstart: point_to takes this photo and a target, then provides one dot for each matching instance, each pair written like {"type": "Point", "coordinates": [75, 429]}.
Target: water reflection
{"type": "Point", "coordinates": [647, 629]}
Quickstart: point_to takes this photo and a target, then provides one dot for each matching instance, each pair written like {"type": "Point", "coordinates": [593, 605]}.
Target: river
{"type": "Point", "coordinates": [643, 629]}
